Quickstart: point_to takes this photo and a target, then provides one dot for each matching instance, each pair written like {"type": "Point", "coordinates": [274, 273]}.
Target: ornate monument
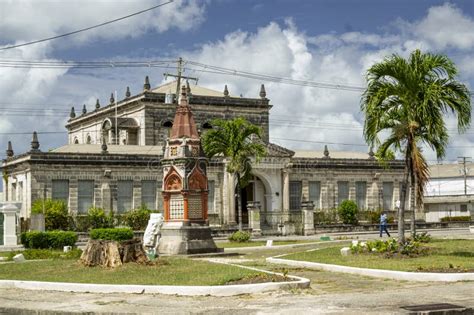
{"type": "Point", "coordinates": [185, 191]}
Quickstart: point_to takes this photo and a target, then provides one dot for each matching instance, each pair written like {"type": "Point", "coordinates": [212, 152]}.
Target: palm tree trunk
{"type": "Point", "coordinates": [412, 205]}
{"type": "Point", "coordinates": [239, 202]}
{"type": "Point", "coordinates": [403, 198]}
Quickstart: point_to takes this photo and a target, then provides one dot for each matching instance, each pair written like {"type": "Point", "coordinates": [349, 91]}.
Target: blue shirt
{"type": "Point", "coordinates": [383, 219]}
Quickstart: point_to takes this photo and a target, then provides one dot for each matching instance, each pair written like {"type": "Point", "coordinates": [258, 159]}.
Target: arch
{"type": "Point", "coordinates": [173, 181]}
{"type": "Point", "coordinates": [197, 180]}
{"type": "Point", "coordinates": [167, 124]}
{"type": "Point", "coordinates": [88, 139]}
{"type": "Point", "coordinates": [75, 141]}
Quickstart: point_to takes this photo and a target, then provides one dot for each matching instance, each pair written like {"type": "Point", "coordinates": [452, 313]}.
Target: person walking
{"type": "Point", "coordinates": [383, 224]}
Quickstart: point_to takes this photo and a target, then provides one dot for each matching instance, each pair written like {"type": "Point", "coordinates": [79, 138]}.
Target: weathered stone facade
{"type": "Point", "coordinates": [117, 177]}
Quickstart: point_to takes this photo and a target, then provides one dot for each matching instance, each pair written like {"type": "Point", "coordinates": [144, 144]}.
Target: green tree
{"type": "Point", "coordinates": [235, 140]}
{"type": "Point", "coordinates": [407, 100]}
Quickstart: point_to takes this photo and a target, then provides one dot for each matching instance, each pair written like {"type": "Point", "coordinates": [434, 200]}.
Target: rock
{"type": "Point", "coordinates": [19, 258]}
{"type": "Point", "coordinates": [67, 249]}
{"type": "Point", "coordinates": [269, 243]}
{"type": "Point", "coordinates": [345, 251]}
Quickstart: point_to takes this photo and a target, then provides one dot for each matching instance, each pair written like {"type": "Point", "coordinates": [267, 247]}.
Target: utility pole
{"type": "Point", "coordinates": [179, 76]}
{"type": "Point", "coordinates": [462, 160]}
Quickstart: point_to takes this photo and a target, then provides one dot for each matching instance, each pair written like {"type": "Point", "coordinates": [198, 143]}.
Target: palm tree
{"type": "Point", "coordinates": [235, 141]}
{"type": "Point", "coordinates": [407, 101]}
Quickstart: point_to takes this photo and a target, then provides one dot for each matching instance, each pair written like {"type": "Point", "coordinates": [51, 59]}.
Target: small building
{"type": "Point", "coordinates": [449, 193]}
{"type": "Point", "coordinates": [113, 161]}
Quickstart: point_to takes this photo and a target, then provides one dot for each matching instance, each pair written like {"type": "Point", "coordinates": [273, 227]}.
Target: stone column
{"type": "Point", "coordinates": [254, 217]}
{"type": "Point", "coordinates": [307, 208]}
{"type": "Point", "coordinates": [286, 191]}
{"type": "Point", "coordinates": [231, 198]}
{"type": "Point", "coordinates": [10, 211]}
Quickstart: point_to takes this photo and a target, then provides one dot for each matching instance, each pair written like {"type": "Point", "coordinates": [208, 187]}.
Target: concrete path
{"type": "Point", "coordinates": [382, 300]}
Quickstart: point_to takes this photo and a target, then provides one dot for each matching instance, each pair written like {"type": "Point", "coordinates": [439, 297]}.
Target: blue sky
{"type": "Point", "coordinates": [330, 41]}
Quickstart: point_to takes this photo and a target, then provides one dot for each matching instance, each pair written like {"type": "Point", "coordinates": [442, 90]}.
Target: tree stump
{"type": "Point", "coordinates": [112, 253]}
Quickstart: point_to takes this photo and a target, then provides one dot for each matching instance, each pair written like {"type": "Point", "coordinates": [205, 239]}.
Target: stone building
{"type": "Point", "coordinates": [113, 161]}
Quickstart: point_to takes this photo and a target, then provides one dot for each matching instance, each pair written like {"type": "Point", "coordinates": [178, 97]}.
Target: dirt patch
{"type": "Point", "coordinates": [260, 278]}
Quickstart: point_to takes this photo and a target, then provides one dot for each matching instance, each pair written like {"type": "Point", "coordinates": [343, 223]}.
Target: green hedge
{"type": "Point", "coordinates": [117, 234]}
{"type": "Point", "coordinates": [51, 239]}
{"type": "Point", "coordinates": [240, 237]}
{"type": "Point", "coordinates": [347, 211]}
{"type": "Point", "coordinates": [461, 218]}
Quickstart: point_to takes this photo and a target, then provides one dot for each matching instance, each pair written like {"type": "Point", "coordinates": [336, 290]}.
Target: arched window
{"type": "Point", "coordinates": [89, 140]}
{"type": "Point", "coordinates": [76, 141]}
{"type": "Point", "coordinates": [168, 124]}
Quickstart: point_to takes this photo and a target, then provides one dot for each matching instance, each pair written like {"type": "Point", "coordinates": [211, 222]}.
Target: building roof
{"type": "Point", "coordinates": [450, 170]}
{"type": "Point", "coordinates": [170, 88]}
{"type": "Point", "coordinates": [111, 149]}
{"type": "Point", "coordinates": [332, 154]}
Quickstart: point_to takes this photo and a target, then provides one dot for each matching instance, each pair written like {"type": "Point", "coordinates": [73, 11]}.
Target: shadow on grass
{"type": "Point", "coordinates": [462, 254]}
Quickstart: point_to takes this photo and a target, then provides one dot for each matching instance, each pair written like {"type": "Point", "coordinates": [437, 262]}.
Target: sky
{"type": "Point", "coordinates": [330, 41]}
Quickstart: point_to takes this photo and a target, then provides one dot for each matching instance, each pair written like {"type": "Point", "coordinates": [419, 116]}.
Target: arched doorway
{"type": "Point", "coordinates": [256, 190]}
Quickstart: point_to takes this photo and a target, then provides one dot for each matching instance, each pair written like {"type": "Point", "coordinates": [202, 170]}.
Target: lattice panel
{"type": "Point", "coordinates": [195, 207]}
{"type": "Point", "coordinates": [176, 207]}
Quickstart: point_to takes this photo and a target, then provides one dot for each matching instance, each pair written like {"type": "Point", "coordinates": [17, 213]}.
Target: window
{"type": "Point", "coordinates": [295, 195]}
{"type": "Point", "coordinates": [160, 197]}
{"type": "Point", "coordinates": [20, 191]}
{"type": "Point", "coordinates": [89, 140]}
{"type": "Point", "coordinates": [149, 194]}
{"type": "Point", "coordinates": [361, 191]}
{"type": "Point", "coordinates": [342, 192]}
{"type": "Point", "coordinates": [463, 208]}
{"type": "Point", "coordinates": [60, 189]}
{"type": "Point", "coordinates": [387, 195]}
{"type": "Point", "coordinates": [210, 197]}
{"type": "Point", "coordinates": [85, 195]}
{"type": "Point", "coordinates": [315, 193]}
{"type": "Point", "coordinates": [124, 195]}
{"type": "Point", "coordinates": [13, 196]}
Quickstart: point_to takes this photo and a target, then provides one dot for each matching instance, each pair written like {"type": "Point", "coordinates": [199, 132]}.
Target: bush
{"type": "Point", "coordinates": [114, 234]}
{"type": "Point", "coordinates": [461, 218]}
{"type": "Point", "coordinates": [389, 248]}
{"type": "Point", "coordinates": [421, 238]}
{"type": "Point", "coordinates": [348, 212]}
{"type": "Point", "coordinates": [98, 219]}
{"type": "Point", "coordinates": [55, 213]}
{"type": "Point", "coordinates": [137, 219]}
{"type": "Point", "coordinates": [52, 239]}
{"type": "Point", "coordinates": [240, 237]}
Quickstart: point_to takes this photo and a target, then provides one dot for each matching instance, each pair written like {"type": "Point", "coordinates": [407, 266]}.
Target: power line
{"type": "Point", "coordinates": [87, 28]}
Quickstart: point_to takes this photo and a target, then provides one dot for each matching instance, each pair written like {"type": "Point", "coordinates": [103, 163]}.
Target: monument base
{"type": "Point", "coordinates": [184, 239]}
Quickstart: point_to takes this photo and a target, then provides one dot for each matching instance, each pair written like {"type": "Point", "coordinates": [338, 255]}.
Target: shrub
{"type": "Point", "coordinates": [55, 213]}
{"type": "Point", "coordinates": [460, 218]}
{"type": "Point", "coordinates": [348, 212]}
{"type": "Point", "coordinates": [51, 239]}
{"type": "Point", "coordinates": [389, 247]}
{"type": "Point", "coordinates": [98, 219]}
{"type": "Point", "coordinates": [114, 234]}
{"type": "Point", "coordinates": [240, 237]}
{"type": "Point", "coordinates": [137, 219]}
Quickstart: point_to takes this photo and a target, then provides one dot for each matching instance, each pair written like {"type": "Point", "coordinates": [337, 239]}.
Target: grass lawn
{"type": "Point", "coordinates": [258, 243]}
{"type": "Point", "coordinates": [445, 256]}
{"type": "Point", "coordinates": [171, 271]}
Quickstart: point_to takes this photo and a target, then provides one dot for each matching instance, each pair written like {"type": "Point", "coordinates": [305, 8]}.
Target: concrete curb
{"type": "Point", "coordinates": [263, 247]}
{"type": "Point", "coordinates": [220, 290]}
{"type": "Point", "coordinates": [377, 273]}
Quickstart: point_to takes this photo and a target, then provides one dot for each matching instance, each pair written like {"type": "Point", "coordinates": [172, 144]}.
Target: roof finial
{"type": "Point", "coordinates": [226, 91]}
{"type": "Point", "coordinates": [112, 99]}
{"type": "Point", "coordinates": [326, 152]}
{"type": "Point", "coordinates": [127, 94]}
{"type": "Point", "coordinates": [73, 113]}
{"type": "Point", "coordinates": [184, 96]}
{"type": "Point", "coordinates": [262, 91]}
{"type": "Point", "coordinates": [9, 149]}
{"type": "Point", "coordinates": [34, 142]}
{"type": "Point", "coordinates": [371, 153]}
{"type": "Point", "coordinates": [147, 86]}
{"type": "Point", "coordinates": [84, 109]}
{"type": "Point", "coordinates": [97, 104]}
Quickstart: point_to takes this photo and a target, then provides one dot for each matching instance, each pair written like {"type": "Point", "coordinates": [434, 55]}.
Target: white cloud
{"type": "Point", "coordinates": [446, 27]}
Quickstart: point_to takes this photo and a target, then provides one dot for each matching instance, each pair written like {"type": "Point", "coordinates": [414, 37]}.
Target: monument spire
{"type": "Point", "coordinates": [184, 125]}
